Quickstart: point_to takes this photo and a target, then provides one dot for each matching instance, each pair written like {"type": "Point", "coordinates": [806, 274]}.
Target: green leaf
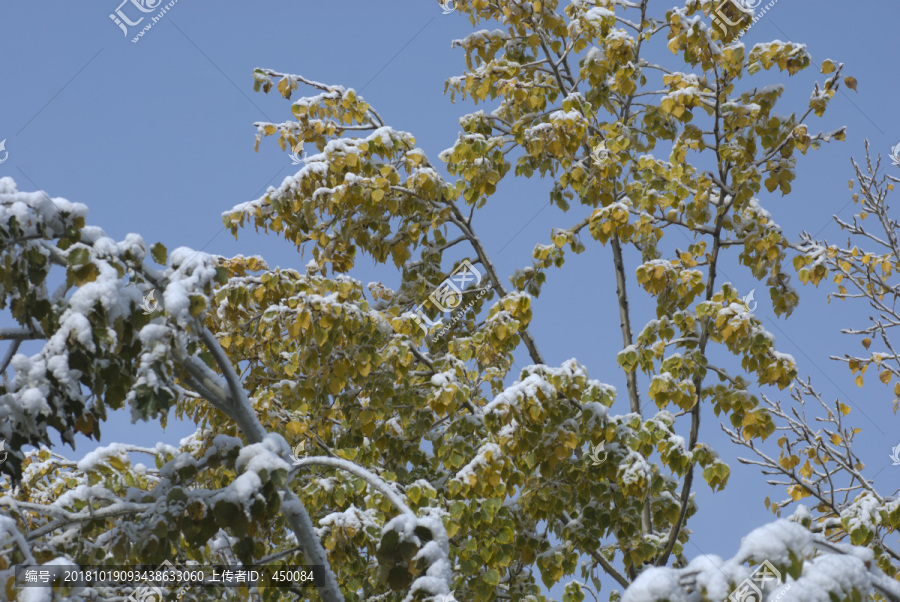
{"type": "Point", "coordinates": [198, 304]}
{"type": "Point", "coordinates": [79, 256]}
{"type": "Point", "coordinates": [84, 274]}
{"type": "Point", "coordinates": [492, 577]}
{"type": "Point", "coordinates": [414, 493]}
{"type": "Point", "coordinates": [159, 253]}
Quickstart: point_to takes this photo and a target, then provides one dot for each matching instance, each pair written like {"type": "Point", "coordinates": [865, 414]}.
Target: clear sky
{"type": "Point", "coordinates": [156, 137]}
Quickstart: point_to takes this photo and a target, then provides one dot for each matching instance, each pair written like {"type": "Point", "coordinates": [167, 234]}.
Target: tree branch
{"type": "Point", "coordinates": [19, 334]}
{"type": "Point", "coordinates": [294, 511]}
{"type": "Point", "coordinates": [10, 353]}
{"type": "Point", "coordinates": [369, 477]}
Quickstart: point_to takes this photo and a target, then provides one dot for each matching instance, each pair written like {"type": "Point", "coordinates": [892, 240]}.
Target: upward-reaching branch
{"type": "Point", "coordinates": [704, 339]}
{"type": "Point", "coordinates": [295, 512]}
{"type": "Point", "coordinates": [622, 292]}
{"type": "Point", "coordinates": [494, 277]}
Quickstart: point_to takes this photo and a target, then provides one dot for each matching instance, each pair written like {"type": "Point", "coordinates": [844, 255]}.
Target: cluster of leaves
{"type": "Point", "coordinates": [207, 490]}
{"type": "Point", "coordinates": [97, 349]}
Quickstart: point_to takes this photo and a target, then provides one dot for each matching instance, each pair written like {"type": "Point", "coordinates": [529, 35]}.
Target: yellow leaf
{"type": "Point", "coordinates": [859, 381]}
{"type": "Point", "coordinates": [885, 376]}
{"type": "Point", "coordinates": [806, 471]}
{"type": "Point", "coordinates": [294, 329]}
{"type": "Point", "coordinates": [790, 462]}
{"type": "Point", "coordinates": [294, 428]}
{"type": "Point", "coordinates": [836, 439]}
{"type": "Point", "coordinates": [797, 492]}
{"type": "Point", "coordinates": [850, 82]}
{"type": "Point", "coordinates": [844, 408]}
{"type": "Point", "coordinates": [866, 342]}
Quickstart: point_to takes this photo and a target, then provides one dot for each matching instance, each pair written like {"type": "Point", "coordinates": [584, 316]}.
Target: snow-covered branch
{"type": "Point", "coordinates": [368, 476]}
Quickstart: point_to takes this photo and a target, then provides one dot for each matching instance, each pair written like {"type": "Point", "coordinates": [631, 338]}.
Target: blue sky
{"type": "Point", "coordinates": [156, 137]}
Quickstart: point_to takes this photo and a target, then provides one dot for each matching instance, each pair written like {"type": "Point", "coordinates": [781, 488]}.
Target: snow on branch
{"type": "Point", "coordinates": [369, 477]}
{"type": "Point", "coordinates": [427, 533]}
{"type": "Point", "coordinates": [807, 566]}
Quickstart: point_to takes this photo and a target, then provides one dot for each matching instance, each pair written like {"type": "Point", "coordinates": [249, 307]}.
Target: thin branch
{"type": "Point", "coordinates": [369, 477]}
{"type": "Point", "coordinates": [10, 353]}
{"type": "Point", "coordinates": [19, 334]}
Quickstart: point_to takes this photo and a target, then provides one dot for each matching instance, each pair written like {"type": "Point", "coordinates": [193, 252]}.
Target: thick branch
{"type": "Point", "coordinates": [610, 569]}
{"type": "Point", "coordinates": [18, 334]}
{"type": "Point", "coordinates": [241, 411]}
{"type": "Point", "coordinates": [13, 349]}
{"type": "Point", "coordinates": [625, 320]}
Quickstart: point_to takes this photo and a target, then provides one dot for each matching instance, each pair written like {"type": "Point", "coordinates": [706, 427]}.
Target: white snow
{"type": "Point", "coordinates": [517, 392]}
{"type": "Point", "coordinates": [439, 574]}
{"type": "Point", "coordinates": [92, 459]}
{"type": "Point", "coordinates": [835, 572]}
{"type": "Point", "coordinates": [486, 453]}
{"type": "Point", "coordinates": [351, 521]}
